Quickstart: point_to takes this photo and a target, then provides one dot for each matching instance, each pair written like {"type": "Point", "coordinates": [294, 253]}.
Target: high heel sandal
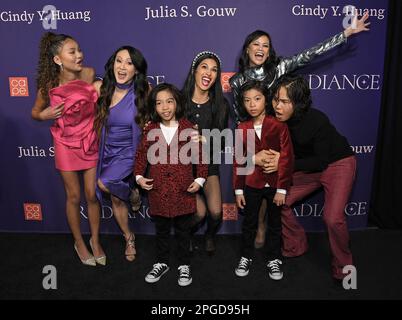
{"type": "Point", "coordinates": [130, 243]}
{"type": "Point", "coordinates": [89, 262]}
{"type": "Point", "coordinates": [101, 259]}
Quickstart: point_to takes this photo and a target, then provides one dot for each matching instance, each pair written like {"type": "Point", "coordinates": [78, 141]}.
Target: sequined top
{"type": "Point", "coordinates": [285, 65]}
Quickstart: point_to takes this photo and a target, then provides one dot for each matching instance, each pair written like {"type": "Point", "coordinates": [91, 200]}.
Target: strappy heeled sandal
{"type": "Point", "coordinates": [130, 243]}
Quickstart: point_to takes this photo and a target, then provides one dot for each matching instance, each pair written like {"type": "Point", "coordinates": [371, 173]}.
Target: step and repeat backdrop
{"type": "Point", "coordinates": [346, 84]}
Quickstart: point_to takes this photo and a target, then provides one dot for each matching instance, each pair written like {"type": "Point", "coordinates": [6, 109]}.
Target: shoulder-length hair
{"type": "Point", "coordinates": [153, 115]}
{"type": "Point", "coordinates": [298, 91]}
{"type": "Point", "coordinates": [244, 60]}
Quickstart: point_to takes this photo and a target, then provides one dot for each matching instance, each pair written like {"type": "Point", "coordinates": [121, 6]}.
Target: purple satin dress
{"type": "Point", "coordinates": [117, 148]}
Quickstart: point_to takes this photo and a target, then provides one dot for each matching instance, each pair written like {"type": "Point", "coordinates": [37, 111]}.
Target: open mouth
{"type": "Point", "coordinates": [259, 55]}
{"type": "Point", "coordinates": [121, 75]}
{"type": "Point", "coordinates": [166, 114]}
{"type": "Point", "coordinates": [205, 81]}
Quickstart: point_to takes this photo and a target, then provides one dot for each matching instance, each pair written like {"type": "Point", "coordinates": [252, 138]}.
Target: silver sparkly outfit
{"type": "Point", "coordinates": [285, 65]}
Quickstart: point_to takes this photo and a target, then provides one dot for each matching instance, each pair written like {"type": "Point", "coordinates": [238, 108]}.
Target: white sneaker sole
{"type": "Point", "coordinates": [153, 280]}
{"type": "Point", "coordinates": [184, 284]}
{"type": "Point", "coordinates": [276, 276]}
{"type": "Point", "coordinates": [241, 274]}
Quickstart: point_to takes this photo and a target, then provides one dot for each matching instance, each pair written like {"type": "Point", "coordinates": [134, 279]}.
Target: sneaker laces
{"type": "Point", "coordinates": [243, 264]}
{"type": "Point", "coordinates": [157, 267]}
{"type": "Point", "coordinates": [184, 271]}
{"type": "Point", "coordinates": [274, 265]}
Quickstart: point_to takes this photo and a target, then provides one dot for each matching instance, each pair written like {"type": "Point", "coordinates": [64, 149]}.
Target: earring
{"type": "Point", "coordinates": [61, 66]}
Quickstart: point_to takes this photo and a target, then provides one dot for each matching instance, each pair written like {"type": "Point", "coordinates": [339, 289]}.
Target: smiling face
{"type": "Point", "coordinates": [254, 102]}
{"type": "Point", "coordinates": [123, 68]}
{"type": "Point", "coordinates": [165, 106]}
{"type": "Point", "coordinates": [205, 74]}
{"type": "Point", "coordinates": [258, 51]}
{"type": "Point", "coordinates": [282, 105]}
{"type": "Point", "coordinates": [70, 56]}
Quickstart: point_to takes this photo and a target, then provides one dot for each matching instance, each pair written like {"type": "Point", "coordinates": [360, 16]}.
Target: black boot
{"type": "Point", "coordinates": [213, 225]}
{"type": "Point", "coordinates": [194, 226]}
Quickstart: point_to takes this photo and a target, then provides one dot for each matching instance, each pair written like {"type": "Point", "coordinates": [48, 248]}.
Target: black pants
{"type": "Point", "coordinates": [254, 199]}
{"type": "Point", "coordinates": [181, 226]}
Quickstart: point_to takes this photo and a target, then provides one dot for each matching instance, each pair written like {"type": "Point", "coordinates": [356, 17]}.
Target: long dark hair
{"type": "Point", "coordinates": [253, 84]}
{"type": "Point", "coordinates": [272, 60]}
{"type": "Point", "coordinates": [298, 91]}
{"type": "Point", "coordinates": [48, 71]}
{"type": "Point", "coordinates": [140, 84]}
{"type": "Point", "coordinates": [153, 115]}
{"type": "Point", "coordinates": [215, 93]}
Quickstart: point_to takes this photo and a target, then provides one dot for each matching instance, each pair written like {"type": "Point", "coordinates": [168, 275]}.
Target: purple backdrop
{"type": "Point", "coordinates": [346, 85]}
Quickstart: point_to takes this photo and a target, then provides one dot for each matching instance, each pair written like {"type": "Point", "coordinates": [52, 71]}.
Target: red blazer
{"type": "Point", "coordinates": [274, 135]}
{"type": "Point", "coordinates": [169, 196]}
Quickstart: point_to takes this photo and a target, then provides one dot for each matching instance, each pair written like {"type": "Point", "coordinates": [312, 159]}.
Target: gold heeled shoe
{"type": "Point", "coordinates": [101, 259]}
{"type": "Point", "coordinates": [130, 242]}
{"type": "Point", "coordinates": [89, 262]}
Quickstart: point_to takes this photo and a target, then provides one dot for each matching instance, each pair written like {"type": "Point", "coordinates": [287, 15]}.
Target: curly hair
{"type": "Point", "coordinates": [48, 71]}
{"type": "Point", "coordinates": [140, 84]}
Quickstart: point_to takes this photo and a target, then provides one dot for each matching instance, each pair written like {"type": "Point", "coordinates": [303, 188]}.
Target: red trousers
{"type": "Point", "coordinates": [337, 181]}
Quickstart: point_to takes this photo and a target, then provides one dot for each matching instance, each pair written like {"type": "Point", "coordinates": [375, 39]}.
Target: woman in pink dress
{"type": "Point", "coordinates": [66, 95]}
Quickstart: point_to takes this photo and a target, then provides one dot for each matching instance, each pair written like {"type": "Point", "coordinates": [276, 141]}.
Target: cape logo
{"type": "Point", "coordinates": [18, 86]}
{"type": "Point", "coordinates": [229, 211]}
{"type": "Point", "coordinates": [225, 76]}
{"type": "Point", "coordinates": [33, 211]}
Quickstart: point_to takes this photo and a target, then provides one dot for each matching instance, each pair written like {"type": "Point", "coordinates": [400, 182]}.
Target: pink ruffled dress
{"type": "Point", "coordinates": [75, 141]}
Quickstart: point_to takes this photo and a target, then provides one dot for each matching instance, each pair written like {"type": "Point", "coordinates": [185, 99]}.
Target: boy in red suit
{"type": "Point", "coordinates": [254, 185]}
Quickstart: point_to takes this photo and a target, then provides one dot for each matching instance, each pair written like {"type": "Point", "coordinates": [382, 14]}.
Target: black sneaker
{"type": "Point", "coordinates": [275, 269]}
{"type": "Point", "coordinates": [158, 270]}
{"type": "Point", "coordinates": [185, 278]}
{"type": "Point", "coordinates": [244, 267]}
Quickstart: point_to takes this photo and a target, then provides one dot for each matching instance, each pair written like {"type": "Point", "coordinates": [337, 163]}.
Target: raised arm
{"type": "Point", "coordinates": [303, 58]}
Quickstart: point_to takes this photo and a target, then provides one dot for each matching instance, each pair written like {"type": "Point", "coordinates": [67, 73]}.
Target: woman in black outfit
{"type": "Point", "coordinates": [207, 108]}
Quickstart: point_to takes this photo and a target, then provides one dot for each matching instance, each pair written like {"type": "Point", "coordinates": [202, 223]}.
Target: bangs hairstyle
{"type": "Point", "coordinates": [256, 85]}
{"type": "Point", "coordinates": [298, 92]}
{"type": "Point", "coordinates": [153, 115]}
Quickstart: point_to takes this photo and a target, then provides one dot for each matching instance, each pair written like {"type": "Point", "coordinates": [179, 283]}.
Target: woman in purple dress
{"type": "Point", "coordinates": [122, 97]}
